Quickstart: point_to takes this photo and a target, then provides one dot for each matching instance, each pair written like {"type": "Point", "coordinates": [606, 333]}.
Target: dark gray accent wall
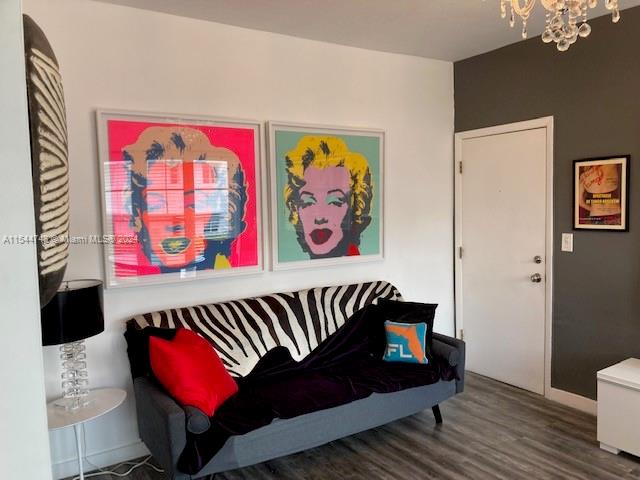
{"type": "Point", "coordinates": [593, 92]}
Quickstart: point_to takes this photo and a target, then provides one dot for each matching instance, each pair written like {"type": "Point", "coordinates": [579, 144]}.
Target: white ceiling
{"type": "Point", "coordinates": [442, 29]}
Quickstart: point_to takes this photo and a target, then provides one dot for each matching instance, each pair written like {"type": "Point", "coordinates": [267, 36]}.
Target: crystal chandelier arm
{"type": "Point", "coordinates": [523, 11]}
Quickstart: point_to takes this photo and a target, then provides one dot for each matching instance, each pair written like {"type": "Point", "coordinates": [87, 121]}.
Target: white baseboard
{"type": "Point", "coordinates": [572, 400]}
{"type": "Point", "coordinates": [67, 468]}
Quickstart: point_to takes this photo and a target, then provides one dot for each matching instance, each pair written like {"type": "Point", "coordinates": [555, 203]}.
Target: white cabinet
{"type": "Point", "coordinates": [619, 407]}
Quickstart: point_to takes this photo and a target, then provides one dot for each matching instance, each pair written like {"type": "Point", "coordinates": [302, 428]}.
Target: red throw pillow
{"type": "Point", "coordinates": [190, 370]}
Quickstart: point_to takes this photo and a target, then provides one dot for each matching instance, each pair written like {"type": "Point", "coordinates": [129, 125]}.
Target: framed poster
{"type": "Point", "coordinates": [180, 197]}
{"type": "Point", "coordinates": [601, 193]}
{"type": "Point", "coordinates": [326, 195]}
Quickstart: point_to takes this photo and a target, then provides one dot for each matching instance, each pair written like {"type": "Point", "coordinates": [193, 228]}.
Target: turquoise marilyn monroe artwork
{"type": "Point", "coordinates": [326, 195]}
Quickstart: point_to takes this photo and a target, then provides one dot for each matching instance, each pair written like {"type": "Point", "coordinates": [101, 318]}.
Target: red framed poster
{"type": "Point", "coordinates": [181, 197]}
{"type": "Point", "coordinates": [601, 194]}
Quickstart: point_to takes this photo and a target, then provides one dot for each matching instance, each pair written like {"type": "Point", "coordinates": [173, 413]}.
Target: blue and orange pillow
{"type": "Point", "coordinates": [408, 330]}
{"type": "Point", "coordinates": [406, 342]}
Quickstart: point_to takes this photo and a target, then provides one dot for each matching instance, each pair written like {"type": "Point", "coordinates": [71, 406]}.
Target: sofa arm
{"type": "Point", "coordinates": [161, 422]}
{"type": "Point", "coordinates": [451, 350]}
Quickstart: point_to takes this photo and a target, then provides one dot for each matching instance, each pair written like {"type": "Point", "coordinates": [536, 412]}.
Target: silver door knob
{"type": "Point", "coordinates": [537, 259]}
{"type": "Point", "coordinates": [536, 278]}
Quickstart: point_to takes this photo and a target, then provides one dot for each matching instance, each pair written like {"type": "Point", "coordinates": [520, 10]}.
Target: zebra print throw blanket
{"type": "Point", "coordinates": [243, 331]}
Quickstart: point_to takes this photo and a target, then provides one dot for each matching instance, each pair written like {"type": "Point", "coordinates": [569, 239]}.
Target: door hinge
{"type": "Point", "coordinates": [460, 252]}
{"type": "Point", "coordinates": [460, 167]}
{"type": "Point", "coordinates": [462, 334]}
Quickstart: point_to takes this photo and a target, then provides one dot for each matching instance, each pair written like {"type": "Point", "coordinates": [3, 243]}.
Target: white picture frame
{"type": "Point", "coordinates": [280, 260]}
{"type": "Point", "coordinates": [254, 193]}
{"type": "Point", "coordinates": [601, 193]}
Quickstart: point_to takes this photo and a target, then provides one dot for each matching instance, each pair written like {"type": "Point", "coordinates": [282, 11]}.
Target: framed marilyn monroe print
{"type": "Point", "coordinates": [326, 195]}
{"type": "Point", "coordinates": [180, 196]}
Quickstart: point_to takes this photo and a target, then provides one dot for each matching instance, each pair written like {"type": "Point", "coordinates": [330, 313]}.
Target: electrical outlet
{"type": "Point", "coordinates": [567, 242]}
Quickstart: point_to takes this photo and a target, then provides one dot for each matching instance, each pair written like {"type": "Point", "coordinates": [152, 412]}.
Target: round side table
{"type": "Point", "coordinates": [101, 401]}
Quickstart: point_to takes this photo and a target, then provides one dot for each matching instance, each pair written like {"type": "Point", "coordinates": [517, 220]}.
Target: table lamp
{"type": "Point", "coordinates": [74, 314]}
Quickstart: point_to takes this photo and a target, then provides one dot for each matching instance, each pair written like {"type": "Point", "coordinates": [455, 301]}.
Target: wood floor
{"type": "Point", "coordinates": [492, 431]}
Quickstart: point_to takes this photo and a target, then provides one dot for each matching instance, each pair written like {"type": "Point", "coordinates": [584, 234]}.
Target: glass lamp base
{"type": "Point", "coordinates": [75, 379]}
{"type": "Point", "coordinates": [72, 404]}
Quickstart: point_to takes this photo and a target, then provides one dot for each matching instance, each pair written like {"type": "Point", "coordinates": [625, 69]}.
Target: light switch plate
{"type": "Point", "coordinates": [567, 242]}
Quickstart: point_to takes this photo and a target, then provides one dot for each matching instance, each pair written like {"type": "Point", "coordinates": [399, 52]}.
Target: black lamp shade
{"type": "Point", "coordinates": [74, 313]}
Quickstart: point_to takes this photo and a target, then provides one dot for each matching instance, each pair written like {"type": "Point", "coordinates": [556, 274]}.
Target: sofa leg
{"type": "Point", "coordinates": [437, 414]}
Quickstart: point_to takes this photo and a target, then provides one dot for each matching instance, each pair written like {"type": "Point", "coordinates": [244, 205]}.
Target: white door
{"type": "Point", "coordinates": [502, 229]}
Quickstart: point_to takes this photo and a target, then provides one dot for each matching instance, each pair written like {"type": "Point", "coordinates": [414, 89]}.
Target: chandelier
{"type": "Point", "coordinates": [562, 16]}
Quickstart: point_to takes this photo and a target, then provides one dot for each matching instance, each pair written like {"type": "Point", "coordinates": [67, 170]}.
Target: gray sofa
{"type": "Point", "coordinates": [163, 423]}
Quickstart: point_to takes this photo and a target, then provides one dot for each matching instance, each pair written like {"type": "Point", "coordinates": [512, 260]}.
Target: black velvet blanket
{"type": "Point", "coordinates": [347, 366]}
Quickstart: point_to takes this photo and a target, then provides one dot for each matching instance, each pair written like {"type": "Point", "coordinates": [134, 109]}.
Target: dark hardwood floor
{"type": "Point", "coordinates": [491, 431]}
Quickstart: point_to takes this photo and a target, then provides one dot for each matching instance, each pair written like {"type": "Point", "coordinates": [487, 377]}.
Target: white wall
{"type": "Point", "coordinates": [118, 57]}
{"type": "Point", "coordinates": [24, 445]}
